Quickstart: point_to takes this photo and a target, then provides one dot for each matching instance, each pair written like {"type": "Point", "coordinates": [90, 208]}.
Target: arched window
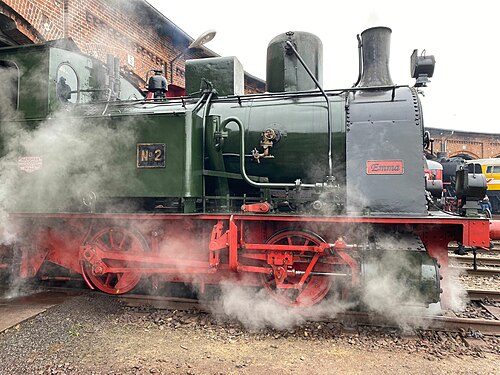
{"type": "Point", "coordinates": [67, 86]}
{"type": "Point", "coordinates": [466, 156]}
{"type": "Point", "coordinates": [9, 76]}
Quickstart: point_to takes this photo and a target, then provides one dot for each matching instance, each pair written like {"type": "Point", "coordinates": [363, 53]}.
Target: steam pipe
{"type": "Point", "coordinates": [330, 165]}
{"type": "Point", "coordinates": [199, 103]}
{"type": "Point", "coordinates": [107, 102]}
{"type": "Point", "coordinates": [246, 178]}
{"type": "Point", "coordinates": [172, 65]}
{"type": "Point", "coordinates": [65, 18]}
{"type": "Point", "coordinates": [360, 61]}
{"type": "Point", "coordinates": [206, 109]}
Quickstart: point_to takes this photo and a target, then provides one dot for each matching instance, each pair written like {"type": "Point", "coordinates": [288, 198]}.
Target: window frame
{"type": "Point", "coordinates": [68, 64]}
{"type": "Point", "coordinates": [12, 64]}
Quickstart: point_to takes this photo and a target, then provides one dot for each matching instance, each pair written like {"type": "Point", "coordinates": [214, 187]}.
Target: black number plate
{"type": "Point", "coordinates": [151, 155]}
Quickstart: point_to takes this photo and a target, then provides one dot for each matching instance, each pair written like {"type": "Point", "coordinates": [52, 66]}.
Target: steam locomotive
{"type": "Point", "coordinates": [310, 194]}
{"type": "Point", "coordinates": [449, 200]}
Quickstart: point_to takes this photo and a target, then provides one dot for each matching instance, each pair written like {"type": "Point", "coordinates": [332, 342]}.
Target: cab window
{"type": "Point", "coordinates": [474, 168]}
{"type": "Point", "coordinates": [67, 85]}
{"type": "Point", "coordinates": [9, 76]}
{"type": "Point", "coordinates": [496, 169]}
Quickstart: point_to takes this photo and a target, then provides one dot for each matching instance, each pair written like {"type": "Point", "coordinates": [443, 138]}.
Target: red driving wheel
{"type": "Point", "coordinates": [115, 240]}
{"type": "Point", "coordinates": [314, 288]}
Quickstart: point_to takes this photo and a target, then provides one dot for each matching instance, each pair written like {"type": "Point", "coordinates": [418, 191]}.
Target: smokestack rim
{"type": "Point", "coordinates": [376, 27]}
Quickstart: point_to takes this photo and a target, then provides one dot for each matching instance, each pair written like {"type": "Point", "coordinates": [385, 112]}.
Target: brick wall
{"type": "Point", "coordinates": [129, 30]}
{"type": "Point", "coordinates": [22, 24]}
{"type": "Point", "coordinates": [100, 28]}
{"type": "Point", "coordinates": [475, 145]}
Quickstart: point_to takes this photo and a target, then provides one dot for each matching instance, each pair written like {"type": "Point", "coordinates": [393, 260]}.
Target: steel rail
{"type": "Point", "coordinates": [466, 259]}
{"type": "Point", "coordinates": [348, 318]}
{"type": "Point", "coordinates": [479, 294]}
{"type": "Point", "coordinates": [480, 250]}
{"type": "Point", "coordinates": [489, 272]}
{"type": "Point", "coordinates": [159, 302]}
{"type": "Point", "coordinates": [485, 326]}
{"type": "Point", "coordinates": [430, 323]}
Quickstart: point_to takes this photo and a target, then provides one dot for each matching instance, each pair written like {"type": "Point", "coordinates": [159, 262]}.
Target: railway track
{"type": "Point", "coordinates": [480, 251]}
{"type": "Point", "coordinates": [446, 323]}
{"type": "Point", "coordinates": [179, 303]}
{"type": "Point", "coordinates": [351, 318]}
{"type": "Point", "coordinates": [480, 260]}
{"type": "Point", "coordinates": [347, 319]}
{"type": "Point", "coordinates": [479, 294]}
{"type": "Point", "coordinates": [484, 264]}
{"type": "Point", "coordinates": [481, 272]}
{"type": "Point", "coordinates": [494, 251]}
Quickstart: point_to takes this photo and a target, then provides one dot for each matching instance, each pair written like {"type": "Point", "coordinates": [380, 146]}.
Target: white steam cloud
{"type": "Point", "coordinates": [256, 309]}
{"type": "Point", "coordinates": [388, 288]}
{"type": "Point", "coordinates": [51, 165]}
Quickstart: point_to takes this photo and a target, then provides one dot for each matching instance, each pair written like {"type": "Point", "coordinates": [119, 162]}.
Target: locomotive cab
{"type": "Point", "coordinates": [43, 78]}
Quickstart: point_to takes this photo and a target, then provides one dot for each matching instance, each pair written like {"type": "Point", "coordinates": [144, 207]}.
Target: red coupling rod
{"type": "Point", "coordinates": [339, 244]}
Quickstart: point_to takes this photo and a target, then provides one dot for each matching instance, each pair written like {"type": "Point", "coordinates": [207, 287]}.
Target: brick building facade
{"type": "Point", "coordinates": [134, 31]}
{"type": "Point", "coordinates": [466, 144]}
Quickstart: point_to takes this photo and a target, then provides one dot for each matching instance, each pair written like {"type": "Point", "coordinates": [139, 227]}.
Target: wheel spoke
{"type": "Point", "coordinates": [122, 242]}
{"type": "Point", "coordinates": [111, 240]}
{"type": "Point", "coordinates": [108, 279]}
{"type": "Point", "coordinates": [102, 244]}
{"type": "Point", "coordinates": [271, 282]}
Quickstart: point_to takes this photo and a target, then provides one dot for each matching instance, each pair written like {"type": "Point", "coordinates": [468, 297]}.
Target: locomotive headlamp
{"type": "Point", "coordinates": [204, 38]}
{"type": "Point", "coordinates": [421, 67]}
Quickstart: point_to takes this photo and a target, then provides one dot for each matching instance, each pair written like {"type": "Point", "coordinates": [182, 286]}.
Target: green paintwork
{"type": "Point", "coordinates": [225, 73]}
{"type": "Point", "coordinates": [96, 147]}
{"type": "Point", "coordinates": [182, 175]}
{"type": "Point", "coordinates": [303, 148]}
{"type": "Point", "coordinates": [37, 68]}
{"type": "Point", "coordinates": [100, 155]}
{"type": "Point", "coordinates": [284, 71]}
{"type": "Point", "coordinates": [32, 70]}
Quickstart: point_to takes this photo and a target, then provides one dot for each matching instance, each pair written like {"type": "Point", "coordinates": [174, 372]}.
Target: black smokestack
{"type": "Point", "coordinates": [376, 50]}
